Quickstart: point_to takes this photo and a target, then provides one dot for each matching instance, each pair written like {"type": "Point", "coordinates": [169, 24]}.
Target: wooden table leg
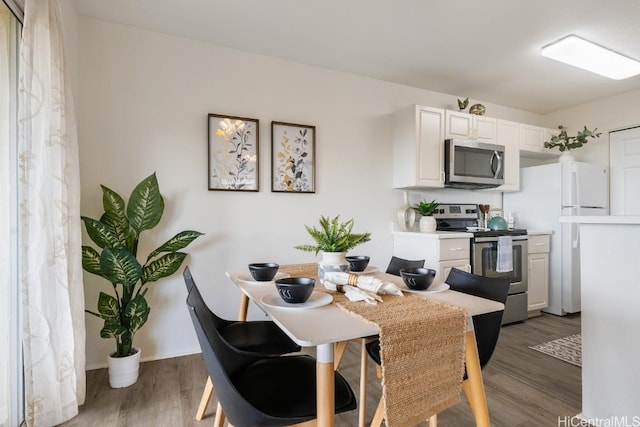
{"type": "Point", "coordinates": [473, 386]}
{"type": "Point", "coordinates": [244, 307]}
{"type": "Point", "coordinates": [219, 420]}
{"type": "Point", "coordinates": [362, 413]}
{"type": "Point", "coordinates": [338, 351]}
{"type": "Point", "coordinates": [325, 385]}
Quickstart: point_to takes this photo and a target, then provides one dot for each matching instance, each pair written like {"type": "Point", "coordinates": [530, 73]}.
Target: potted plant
{"type": "Point", "coordinates": [117, 234]}
{"type": "Point", "coordinates": [565, 143]}
{"type": "Point", "coordinates": [333, 239]}
{"type": "Point", "coordinates": [427, 223]}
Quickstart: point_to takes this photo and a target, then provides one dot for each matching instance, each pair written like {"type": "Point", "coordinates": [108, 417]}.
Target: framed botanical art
{"type": "Point", "coordinates": [233, 153]}
{"type": "Point", "coordinates": [293, 158]}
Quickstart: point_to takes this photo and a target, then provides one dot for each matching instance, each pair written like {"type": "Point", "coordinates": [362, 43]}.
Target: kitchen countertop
{"type": "Point", "coordinates": [538, 232]}
{"type": "Point", "coordinates": [436, 234]}
{"type": "Point", "coordinates": [608, 219]}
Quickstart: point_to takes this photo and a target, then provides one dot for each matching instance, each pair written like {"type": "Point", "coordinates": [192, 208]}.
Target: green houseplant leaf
{"type": "Point", "coordinates": [117, 235]}
{"type": "Point", "coordinates": [146, 205]}
{"type": "Point", "coordinates": [564, 142]}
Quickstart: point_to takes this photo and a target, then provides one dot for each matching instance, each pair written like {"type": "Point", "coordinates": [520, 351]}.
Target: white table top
{"type": "Point", "coordinates": [329, 323]}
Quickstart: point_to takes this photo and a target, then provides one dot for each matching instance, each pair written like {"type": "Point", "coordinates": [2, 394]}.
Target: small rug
{"type": "Point", "coordinates": [568, 349]}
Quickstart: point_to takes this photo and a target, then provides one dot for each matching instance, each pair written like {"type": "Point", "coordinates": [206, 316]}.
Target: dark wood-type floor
{"type": "Point", "coordinates": [524, 387]}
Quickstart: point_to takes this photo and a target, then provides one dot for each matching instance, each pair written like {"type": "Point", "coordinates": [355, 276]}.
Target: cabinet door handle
{"type": "Point", "coordinates": [540, 244]}
{"type": "Point", "coordinates": [456, 249]}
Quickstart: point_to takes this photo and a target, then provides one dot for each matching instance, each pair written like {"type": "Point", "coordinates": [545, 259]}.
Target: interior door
{"type": "Point", "coordinates": [625, 171]}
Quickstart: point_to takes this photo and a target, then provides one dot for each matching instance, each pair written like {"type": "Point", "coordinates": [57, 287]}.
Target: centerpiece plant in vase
{"type": "Point", "coordinates": [333, 239]}
{"type": "Point", "coordinates": [565, 143]}
{"type": "Point", "coordinates": [427, 223]}
{"type": "Point", "coordinates": [117, 235]}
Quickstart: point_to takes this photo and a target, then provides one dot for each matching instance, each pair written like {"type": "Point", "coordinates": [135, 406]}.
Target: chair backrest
{"type": "Point", "coordinates": [487, 326]}
{"type": "Point", "coordinates": [191, 284]}
{"type": "Point", "coordinates": [222, 362]}
{"type": "Point", "coordinates": [396, 264]}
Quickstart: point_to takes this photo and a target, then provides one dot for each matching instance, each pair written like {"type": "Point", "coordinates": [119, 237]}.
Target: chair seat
{"type": "Point", "coordinates": [287, 388]}
{"type": "Point", "coordinates": [260, 338]}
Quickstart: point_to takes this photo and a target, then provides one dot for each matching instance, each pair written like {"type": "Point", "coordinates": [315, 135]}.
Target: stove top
{"type": "Point", "coordinates": [466, 217]}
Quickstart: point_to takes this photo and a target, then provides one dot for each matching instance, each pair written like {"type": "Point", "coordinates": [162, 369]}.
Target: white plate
{"type": "Point", "coordinates": [370, 269]}
{"type": "Point", "coordinates": [248, 278]}
{"type": "Point", "coordinates": [431, 290]}
{"type": "Point", "coordinates": [317, 299]}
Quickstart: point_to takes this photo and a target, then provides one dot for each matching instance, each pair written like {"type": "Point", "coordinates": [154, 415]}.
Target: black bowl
{"type": "Point", "coordinates": [295, 290]}
{"type": "Point", "coordinates": [418, 279]}
{"type": "Point", "coordinates": [357, 262]}
{"type": "Point", "coordinates": [263, 272]}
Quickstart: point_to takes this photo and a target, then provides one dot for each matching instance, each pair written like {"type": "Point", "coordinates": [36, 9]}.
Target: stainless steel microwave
{"type": "Point", "coordinates": [471, 164]}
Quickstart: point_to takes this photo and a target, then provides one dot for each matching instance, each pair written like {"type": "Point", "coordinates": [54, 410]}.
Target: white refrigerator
{"type": "Point", "coordinates": [546, 193]}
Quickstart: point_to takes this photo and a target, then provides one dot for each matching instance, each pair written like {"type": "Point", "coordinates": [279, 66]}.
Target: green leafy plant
{"type": "Point", "coordinates": [117, 234]}
{"type": "Point", "coordinates": [425, 208]}
{"type": "Point", "coordinates": [564, 142]}
{"type": "Point", "coordinates": [333, 236]}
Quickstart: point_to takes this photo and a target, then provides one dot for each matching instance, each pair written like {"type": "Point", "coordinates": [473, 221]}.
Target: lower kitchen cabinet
{"type": "Point", "coordinates": [441, 251]}
{"type": "Point", "coordinates": [538, 274]}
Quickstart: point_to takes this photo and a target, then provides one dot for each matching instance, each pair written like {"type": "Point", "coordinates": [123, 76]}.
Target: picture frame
{"type": "Point", "coordinates": [233, 153]}
{"type": "Point", "coordinates": [293, 158]}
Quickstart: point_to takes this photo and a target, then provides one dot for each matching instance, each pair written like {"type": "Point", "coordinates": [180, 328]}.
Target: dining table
{"type": "Point", "coordinates": [324, 325]}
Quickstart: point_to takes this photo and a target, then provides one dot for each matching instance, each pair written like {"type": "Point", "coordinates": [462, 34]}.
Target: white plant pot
{"type": "Point", "coordinates": [332, 261]}
{"type": "Point", "coordinates": [427, 224]}
{"type": "Point", "coordinates": [123, 371]}
{"type": "Point", "coordinates": [565, 157]}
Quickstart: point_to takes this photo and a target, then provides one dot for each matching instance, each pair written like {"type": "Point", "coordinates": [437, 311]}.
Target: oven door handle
{"type": "Point", "coordinates": [495, 239]}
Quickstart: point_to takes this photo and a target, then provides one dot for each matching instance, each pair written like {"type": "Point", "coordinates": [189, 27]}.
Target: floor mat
{"type": "Point", "coordinates": [568, 349]}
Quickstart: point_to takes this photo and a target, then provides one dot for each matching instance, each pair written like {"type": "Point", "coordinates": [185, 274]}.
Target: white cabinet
{"type": "Point", "coordinates": [532, 139]}
{"type": "Point", "coordinates": [538, 274]}
{"type": "Point", "coordinates": [508, 135]}
{"type": "Point", "coordinates": [439, 252]}
{"type": "Point", "coordinates": [418, 147]}
{"type": "Point", "coordinates": [470, 126]}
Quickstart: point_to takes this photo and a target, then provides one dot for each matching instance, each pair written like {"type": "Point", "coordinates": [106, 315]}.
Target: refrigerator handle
{"type": "Point", "coordinates": [576, 183]}
{"type": "Point", "coordinates": [575, 235]}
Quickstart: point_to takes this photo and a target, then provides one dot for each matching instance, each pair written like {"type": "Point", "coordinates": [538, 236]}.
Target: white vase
{"type": "Point", "coordinates": [332, 261]}
{"type": "Point", "coordinates": [123, 371]}
{"type": "Point", "coordinates": [427, 224]}
{"type": "Point", "coordinates": [406, 215]}
{"type": "Point", "coordinates": [565, 157]}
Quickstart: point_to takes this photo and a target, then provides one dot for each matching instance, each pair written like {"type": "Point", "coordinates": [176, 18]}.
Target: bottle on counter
{"type": "Point", "coordinates": [510, 221]}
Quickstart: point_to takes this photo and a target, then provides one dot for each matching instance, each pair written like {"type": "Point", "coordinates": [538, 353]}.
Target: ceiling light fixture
{"type": "Point", "coordinates": [583, 54]}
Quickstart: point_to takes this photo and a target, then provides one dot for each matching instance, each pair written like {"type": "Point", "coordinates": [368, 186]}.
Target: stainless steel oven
{"type": "Point", "coordinates": [484, 253]}
{"type": "Point", "coordinates": [484, 262]}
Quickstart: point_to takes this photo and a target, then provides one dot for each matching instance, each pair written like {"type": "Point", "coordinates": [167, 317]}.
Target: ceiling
{"type": "Point", "coordinates": [485, 50]}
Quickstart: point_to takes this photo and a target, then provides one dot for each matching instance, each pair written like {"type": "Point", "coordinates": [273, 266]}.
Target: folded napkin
{"type": "Point", "coordinates": [505, 254]}
{"type": "Point", "coordinates": [359, 287]}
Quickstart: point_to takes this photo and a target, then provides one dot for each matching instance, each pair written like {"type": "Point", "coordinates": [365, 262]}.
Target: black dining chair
{"type": "Point", "coordinates": [486, 326]}
{"type": "Point", "coordinates": [258, 390]}
{"type": "Point", "coordinates": [257, 338]}
{"type": "Point", "coordinates": [396, 264]}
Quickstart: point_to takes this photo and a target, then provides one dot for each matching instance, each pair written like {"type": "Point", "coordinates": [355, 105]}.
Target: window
{"type": "Point", "coordinates": [11, 402]}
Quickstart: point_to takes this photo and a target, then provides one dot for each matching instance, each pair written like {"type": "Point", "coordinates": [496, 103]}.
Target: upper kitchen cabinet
{"type": "Point", "coordinates": [470, 126]}
{"type": "Point", "coordinates": [532, 139]}
{"type": "Point", "coordinates": [418, 147]}
{"type": "Point", "coordinates": [508, 135]}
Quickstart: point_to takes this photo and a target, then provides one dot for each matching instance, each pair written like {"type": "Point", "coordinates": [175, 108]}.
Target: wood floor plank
{"type": "Point", "coordinates": [524, 388]}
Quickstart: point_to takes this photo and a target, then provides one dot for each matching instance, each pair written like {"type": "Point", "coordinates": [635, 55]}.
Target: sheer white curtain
{"type": "Point", "coordinates": [49, 224]}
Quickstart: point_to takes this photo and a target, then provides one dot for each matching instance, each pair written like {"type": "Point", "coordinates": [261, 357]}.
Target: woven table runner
{"type": "Point", "coordinates": [422, 349]}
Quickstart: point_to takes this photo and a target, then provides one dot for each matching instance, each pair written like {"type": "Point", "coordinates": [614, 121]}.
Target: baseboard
{"type": "Point", "coordinates": [147, 359]}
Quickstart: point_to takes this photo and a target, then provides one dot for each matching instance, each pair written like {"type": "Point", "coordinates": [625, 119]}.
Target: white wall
{"type": "Point", "coordinates": [606, 114]}
{"type": "Point", "coordinates": [145, 97]}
